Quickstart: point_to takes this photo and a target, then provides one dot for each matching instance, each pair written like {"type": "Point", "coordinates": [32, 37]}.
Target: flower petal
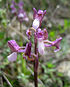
{"type": "Point", "coordinates": [35, 12]}
{"type": "Point", "coordinates": [13, 45]}
{"type": "Point", "coordinates": [56, 43]}
{"type": "Point", "coordinates": [28, 49]}
{"type": "Point", "coordinates": [56, 50]}
{"type": "Point", "coordinates": [41, 47]}
{"type": "Point", "coordinates": [26, 19]}
{"type": "Point", "coordinates": [36, 24]}
{"type": "Point", "coordinates": [46, 45]}
{"type": "Point", "coordinates": [45, 34]}
{"type": "Point", "coordinates": [39, 33]}
{"type": "Point", "coordinates": [44, 12]}
{"type": "Point", "coordinates": [20, 4]}
{"type": "Point", "coordinates": [20, 15]}
{"type": "Point", "coordinates": [40, 12]}
{"type": "Point", "coordinates": [28, 33]}
{"type": "Point", "coordinates": [12, 57]}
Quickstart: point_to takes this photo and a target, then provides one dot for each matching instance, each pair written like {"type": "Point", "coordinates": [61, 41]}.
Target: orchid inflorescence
{"type": "Point", "coordinates": [41, 36]}
{"type": "Point", "coordinates": [40, 39]}
{"type": "Point", "coordinates": [17, 10]}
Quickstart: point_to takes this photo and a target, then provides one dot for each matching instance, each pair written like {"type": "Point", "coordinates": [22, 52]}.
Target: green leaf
{"type": "Point", "coordinates": [2, 35]}
{"type": "Point", "coordinates": [4, 22]}
{"type": "Point", "coordinates": [50, 65]}
{"type": "Point", "coordinates": [60, 74]}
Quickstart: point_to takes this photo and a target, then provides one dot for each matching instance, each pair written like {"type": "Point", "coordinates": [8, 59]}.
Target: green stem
{"type": "Point", "coordinates": [23, 65]}
{"type": "Point", "coordinates": [20, 27]}
{"type": "Point", "coordinates": [21, 38]}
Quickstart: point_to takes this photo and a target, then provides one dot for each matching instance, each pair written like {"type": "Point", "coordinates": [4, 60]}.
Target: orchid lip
{"type": "Point", "coordinates": [36, 23]}
{"type": "Point", "coordinates": [12, 57]}
{"type": "Point", "coordinates": [21, 15]}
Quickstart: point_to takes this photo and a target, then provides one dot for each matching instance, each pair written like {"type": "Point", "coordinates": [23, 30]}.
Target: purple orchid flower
{"type": "Point", "coordinates": [27, 51]}
{"type": "Point", "coordinates": [22, 16]}
{"type": "Point", "coordinates": [20, 4]}
{"type": "Point", "coordinates": [55, 43]}
{"type": "Point", "coordinates": [42, 35]}
{"type": "Point", "coordinates": [28, 33]}
{"type": "Point", "coordinates": [15, 48]}
{"type": "Point", "coordinates": [38, 17]}
{"type": "Point", "coordinates": [13, 8]}
{"type": "Point", "coordinates": [19, 12]}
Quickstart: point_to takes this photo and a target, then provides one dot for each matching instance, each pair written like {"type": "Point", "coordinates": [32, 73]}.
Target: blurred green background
{"type": "Point", "coordinates": [54, 68]}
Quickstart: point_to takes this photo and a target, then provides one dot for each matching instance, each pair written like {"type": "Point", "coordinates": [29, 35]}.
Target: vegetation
{"type": "Point", "coordinates": [54, 68]}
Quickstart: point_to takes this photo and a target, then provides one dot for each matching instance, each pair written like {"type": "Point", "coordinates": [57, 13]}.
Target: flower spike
{"type": "Point", "coordinates": [19, 12]}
